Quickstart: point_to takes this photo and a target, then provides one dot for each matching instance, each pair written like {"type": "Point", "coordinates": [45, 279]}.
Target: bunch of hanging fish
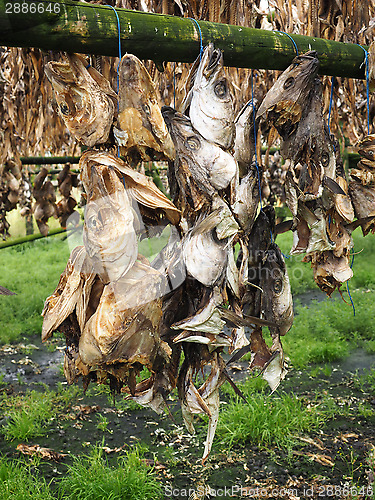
{"type": "Point", "coordinates": [221, 270]}
{"type": "Point", "coordinates": [322, 203]}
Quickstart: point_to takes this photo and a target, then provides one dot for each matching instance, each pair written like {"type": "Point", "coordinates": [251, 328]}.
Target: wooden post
{"type": "Point", "coordinates": [92, 29]}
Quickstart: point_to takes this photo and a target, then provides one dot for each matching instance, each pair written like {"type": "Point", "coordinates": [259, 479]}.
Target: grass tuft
{"type": "Point", "coordinates": [90, 477]}
{"type": "Point", "coordinates": [18, 481]}
{"type": "Point", "coordinates": [270, 420]}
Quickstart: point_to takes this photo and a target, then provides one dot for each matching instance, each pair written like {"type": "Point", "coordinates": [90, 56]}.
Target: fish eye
{"type": "Point", "coordinates": [193, 143]}
{"type": "Point", "coordinates": [289, 83]}
{"type": "Point", "coordinates": [64, 108]}
{"type": "Point", "coordinates": [92, 223]}
{"type": "Point", "coordinates": [325, 159]}
{"type": "Point", "coordinates": [146, 109]}
{"type": "Point", "coordinates": [277, 286]}
{"type": "Point", "coordinates": [220, 89]}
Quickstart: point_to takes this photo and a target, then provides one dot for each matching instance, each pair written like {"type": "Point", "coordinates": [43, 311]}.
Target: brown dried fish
{"type": "Point", "coordinates": [284, 103]}
{"type": "Point", "coordinates": [141, 132]}
{"type": "Point", "coordinates": [85, 99]}
{"type": "Point", "coordinates": [363, 199]}
{"type": "Point", "coordinates": [244, 144]}
{"type": "Point", "coordinates": [65, 207]}
{"type": "Point", "coordinates": [44, 194]}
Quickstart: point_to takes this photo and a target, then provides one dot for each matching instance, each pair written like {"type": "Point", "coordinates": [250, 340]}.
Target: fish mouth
{"type": "Point", "coordinates": [215, 57]}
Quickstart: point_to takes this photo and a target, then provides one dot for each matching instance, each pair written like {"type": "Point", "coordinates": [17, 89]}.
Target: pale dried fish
{"type": "Point", "coordinates": [211, 101]}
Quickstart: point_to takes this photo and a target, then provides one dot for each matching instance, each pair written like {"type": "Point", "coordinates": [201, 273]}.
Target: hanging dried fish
{"type": "Point", "coordinates": [109, 234]}
{"type": "Point", "coordinates": [201, 168]}
{"type": "Point", "coordinates": [85, 99]}
{"type": "Point", "coordinates": [140, 132]}
{"type": "Point", "coordinates": [65, 207]}
{"type": "Point", "coordinates": [45, 198]}
{"type": "Point", "coordinates": [210, 101]}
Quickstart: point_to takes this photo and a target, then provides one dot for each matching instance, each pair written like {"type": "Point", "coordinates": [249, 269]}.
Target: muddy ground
{"type": "Point", "coordinates": [318, 466]}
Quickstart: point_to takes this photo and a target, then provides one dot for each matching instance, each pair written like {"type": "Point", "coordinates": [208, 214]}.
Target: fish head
{"type": "Point", "coordinates": [277, 302]}
{"type": "Point", "coordinates": [85, 100]}
{"type": "Point", "coordinates": [140, 122]}
{"type": "Point", "coordinates": [366, 147]}
{"type": "Point", "coordinates": [284, 102]}
{"type": "Point", "coordinates": [109, 234]}
{"type": "Point", "coordinates": [72, 98]}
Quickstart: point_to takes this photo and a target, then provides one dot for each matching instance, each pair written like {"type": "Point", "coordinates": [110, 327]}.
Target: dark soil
{"type": "Point", "coordinates": [317, 466]}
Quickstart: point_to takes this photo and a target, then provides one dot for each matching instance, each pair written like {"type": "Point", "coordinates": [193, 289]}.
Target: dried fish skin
{"type": "Point", "coordinates": [244, 143]}
{"type": "Point", "coordinates": [211, 101]}
{"type": "Point", "coordinates": [125, 326]}
{"type": "Point", "coordinates": [108, 233]}
{"type": "Point", "coordinates": [276, 299]}
{"type": "Point", "coordinates": [330, 271]}
{"type": "Point", "coordinates": [246, 201]}
{"type": "Point", "coordinates": [211, 168]}
{"type": "Point", "coordinates": [343, 203]}
{"type": "Point", "coordinates": [205, 257]}
{"type": "Point", "coordinates": [363, 199]}
{"type": "Point", "coordinates": [141, 132]}
{"type": "Point", "coordinates": [206, 320]}
{"type": "Point", "coordinates": [284, 102]}
{"type": "Point", "coordinates": [139, 187]}
{"type": "Point", "coordinates": [228, 226]}
{"type": "Point", "coordinates": [86, 102]}
{"type": "Point", "coordinates": [63, 301]}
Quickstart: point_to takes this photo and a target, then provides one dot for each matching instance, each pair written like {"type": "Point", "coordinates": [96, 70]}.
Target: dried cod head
{"type": "Point", "coordinates": [141, 132]}
{"type": "Point", "coordinates": [85, 99]}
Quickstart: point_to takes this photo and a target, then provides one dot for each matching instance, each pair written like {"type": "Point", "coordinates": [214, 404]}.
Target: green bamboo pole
{"type": "Point", "coordinates": [48, 160]}
{"type": "Point", "coordinates": [31, 237]}
{"type": "Point", "coordinates": [92, 29]}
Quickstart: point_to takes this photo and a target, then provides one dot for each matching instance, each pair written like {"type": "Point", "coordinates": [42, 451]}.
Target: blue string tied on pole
{"type": "Point", "coordinates": [294, 43]}
{"type": "Point", "coordinates": [330, 106]}
{"type": "Point", "coordinates": [118, 66]}
{"type": "Point", "coordinates": [200, 37]}
{"type": "Point", "coordinates": [367, 87]}
{"type": "Point", "coordinates": [255, 140]}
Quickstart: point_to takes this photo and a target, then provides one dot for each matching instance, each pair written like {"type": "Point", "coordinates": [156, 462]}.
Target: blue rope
{"type": "Point", "coordinates": [330, 105]}
{"type": "Point", "coordinates": [255, 140]}
{"type": "Point", "coordinates": [174, 85]}
{"type": "Point", "coordinates": [294, 43]}
{"type": "Point", "coordinates": [200, 37]}
{"type": "Point", "coordinates": [118, 66]}
{"type": "Point", "coordinates": [367, 87]}
{"type": "Point", "coordinates": [347, 287]}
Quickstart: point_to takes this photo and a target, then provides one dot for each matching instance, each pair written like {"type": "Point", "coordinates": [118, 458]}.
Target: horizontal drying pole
{"type": "Point", "coordinates": [92, 29]}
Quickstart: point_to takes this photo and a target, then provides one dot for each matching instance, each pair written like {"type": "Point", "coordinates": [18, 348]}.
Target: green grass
{"type": "Point", "coordinates": [18, 481]}
{"type": "Point", "coordinates": [32, 270]}
{"type": "Point", "coordinates": [270, 420]}
{"type": "Point", "coordinates": [90, 477]}
{"type": "Point", "coordinates": [326, 331]}
{"type": "Point", "coordinates": [30, 415]}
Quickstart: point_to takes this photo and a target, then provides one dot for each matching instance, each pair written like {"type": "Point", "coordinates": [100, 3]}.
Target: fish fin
{"type": "Point", "coordinates": [236, 389]}
{"type": "Point", "coordinates": [284, 226]}
{"type": "Point", "coordinates": [208, 223]}
{"type": "Point", "coordinates": [238, 355]}
{"type": "Point", "coordinates": [353, 225]}
{"type": "Point", "coordinates": [243, 321]}
{"type": "Point", "coordinates": [332, 186]}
